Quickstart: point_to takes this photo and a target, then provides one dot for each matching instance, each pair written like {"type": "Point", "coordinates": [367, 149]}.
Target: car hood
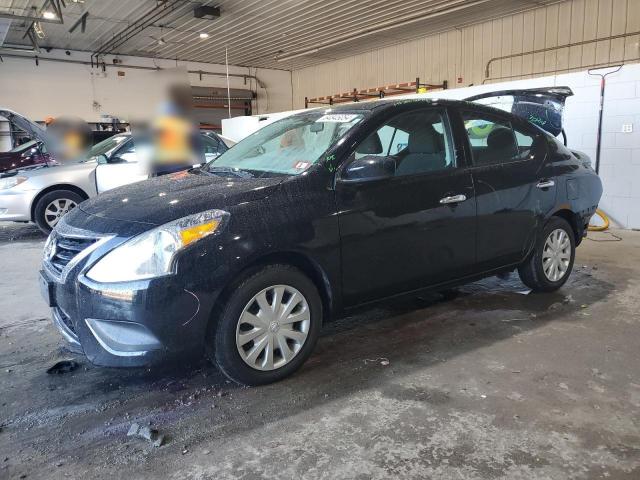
{"type": "Point", "coordinates": [50, 168]}
{"type": "Point", "coordinates": [31, 128]}
{"type": "Point", "coordinates": [9, 155]}
{"type": "Point", "coordinates": [160, 200]}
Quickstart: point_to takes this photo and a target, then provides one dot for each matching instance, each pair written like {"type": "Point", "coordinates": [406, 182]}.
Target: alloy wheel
{"type": "Point", "coordinates": [273, 327]}
{"type": "Point", "coordinates": [57, 209]}
{"type": "Point", "coordinates": [556, 255]}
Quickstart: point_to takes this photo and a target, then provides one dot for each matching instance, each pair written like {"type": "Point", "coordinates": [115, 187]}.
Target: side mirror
{"type": "Point", "coordinates": [368, 168]}
{"type": "Point", "coordinates": [101, 159]}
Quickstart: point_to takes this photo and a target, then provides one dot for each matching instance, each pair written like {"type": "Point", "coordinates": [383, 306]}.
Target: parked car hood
{"type": "Point", "coordinates": [9, 155]}
{"type": "Point", "coordinates": [160, 200]}
{"type": "Point", "coordinates": [31, 128]}
{"type": "Point", "coordinates": [50, 168]}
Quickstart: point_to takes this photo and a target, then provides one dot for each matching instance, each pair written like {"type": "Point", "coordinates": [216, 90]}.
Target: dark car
{"type": "Point", "coordinates": [308, 218]}
{"type": "Point", "coordinates": [29, 153]}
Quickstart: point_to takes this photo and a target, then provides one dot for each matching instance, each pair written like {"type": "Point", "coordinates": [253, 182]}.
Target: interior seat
{"type": "Point", "coordinates": [425, 153]}
{"type": "Point", "coordinates": [501, 146]}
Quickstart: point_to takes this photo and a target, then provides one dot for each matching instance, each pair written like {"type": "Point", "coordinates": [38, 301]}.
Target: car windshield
{"type": "Point", "coordinates": [24, 146]}
{"type": "Point", "coordinates": [286, 147]}
{"type": "Point", "coordinates": [106, 146]}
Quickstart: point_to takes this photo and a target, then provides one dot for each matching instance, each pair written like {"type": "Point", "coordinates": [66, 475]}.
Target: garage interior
{"type": "Point", "coordinates": [482, 381]}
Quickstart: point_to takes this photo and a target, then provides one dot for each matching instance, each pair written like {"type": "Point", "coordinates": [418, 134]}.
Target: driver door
{"type": "Point", "coordinates": [415, 227]}
{"type": "Point", "coordinates": [121, 168]}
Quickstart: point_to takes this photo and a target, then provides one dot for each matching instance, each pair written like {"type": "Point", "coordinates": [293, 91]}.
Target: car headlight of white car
{"type": "Point", "coordinates": [10, 182]}
{"type": "Point", "coordinates": [151, 254]}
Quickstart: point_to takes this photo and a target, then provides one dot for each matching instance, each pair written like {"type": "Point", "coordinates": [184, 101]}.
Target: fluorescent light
{"type": "Point", "coordinates": [204, 35]}
{"type": "Point", "coordinates": [48, 15]}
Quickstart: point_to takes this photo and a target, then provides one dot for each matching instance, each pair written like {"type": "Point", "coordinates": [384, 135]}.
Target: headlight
{"type": "Point", "coordinates": [151, 254]}
{"type": "Point", "coordinates": [10, 182]}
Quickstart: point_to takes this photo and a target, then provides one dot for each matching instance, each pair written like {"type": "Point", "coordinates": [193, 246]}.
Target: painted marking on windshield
{"type": "Point", "coordinates": [337, 118]}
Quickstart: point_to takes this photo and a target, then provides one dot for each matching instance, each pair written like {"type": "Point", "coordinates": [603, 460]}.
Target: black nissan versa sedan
{"type": "Point", "coordinates": [246, 257]}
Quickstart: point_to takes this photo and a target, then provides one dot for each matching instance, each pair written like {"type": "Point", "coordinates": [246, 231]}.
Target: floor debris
{"type": "Point", "coordinates": [63, 366]}
{"type": "Point", "coordinates": [382, 360]}
{"type": "Point", "coordinates": [148, 433]}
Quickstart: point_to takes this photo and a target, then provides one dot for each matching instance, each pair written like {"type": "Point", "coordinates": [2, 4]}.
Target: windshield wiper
{"type": "Point", "coordinates": [233, 171]}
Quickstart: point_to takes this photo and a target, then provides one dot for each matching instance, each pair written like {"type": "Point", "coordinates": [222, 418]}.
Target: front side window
{"type": "Point", "coordinates": [411, 143]}
{"type": "Point", "coordinates": [222, 147]}
{"type": "Point", "coordinates": [126, 154]}
{"type": "Point", "coordinates": [106, 147]}
{"type": "Point", "coordinates": [286, 147]}
{"type": "Point", "coordinates": [210, 144]}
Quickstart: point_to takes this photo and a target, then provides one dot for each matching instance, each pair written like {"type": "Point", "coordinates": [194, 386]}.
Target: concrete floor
{"type": "Point", "coordinates": [480, 383]}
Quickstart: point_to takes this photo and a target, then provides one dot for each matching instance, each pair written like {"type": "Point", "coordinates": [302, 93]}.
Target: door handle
{"type": "Point", "coordinates": [453, 199]}
{"type": "Point", "coordinates": [545, 183]}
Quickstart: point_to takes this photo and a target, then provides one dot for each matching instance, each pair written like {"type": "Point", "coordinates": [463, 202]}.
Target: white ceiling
{"type": "Point", "coordinates": [258, 33]}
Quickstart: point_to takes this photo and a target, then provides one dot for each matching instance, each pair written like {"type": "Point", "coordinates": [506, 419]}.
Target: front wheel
{"type": "Point", "coordinates": [267, 327]}
{"type": "Point", "coordinates": [551, 263]}
{"type": "Point", "coordinates": [53, 206]}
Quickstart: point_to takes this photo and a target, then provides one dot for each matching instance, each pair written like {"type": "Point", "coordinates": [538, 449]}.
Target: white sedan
{"type": "Point", "coordinates": [44, 193]}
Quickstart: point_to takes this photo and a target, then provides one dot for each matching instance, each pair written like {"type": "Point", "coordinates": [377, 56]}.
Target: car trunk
{"type": "Point", "coordinates": [541, 106]}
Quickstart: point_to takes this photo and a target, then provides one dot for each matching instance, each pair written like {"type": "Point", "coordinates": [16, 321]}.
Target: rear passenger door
{"type": "Point", "coordinates": [513, 184]}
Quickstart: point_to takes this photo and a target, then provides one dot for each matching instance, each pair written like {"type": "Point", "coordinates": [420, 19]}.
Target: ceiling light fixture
{"type": "Point", "coordinates": [37, 28]}
{"type": "Point", "coordinates": [204, 35]}
{"type": "Point", "coordinates": [49, 15]}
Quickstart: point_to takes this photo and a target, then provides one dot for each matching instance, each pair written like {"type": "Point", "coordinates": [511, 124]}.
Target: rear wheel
{"type": "Point", "coordinates": [551, 263]}
{"type": "Point", "coordinates": [53, 206]}
{"type": "Point", "coordinates": [267, 327]}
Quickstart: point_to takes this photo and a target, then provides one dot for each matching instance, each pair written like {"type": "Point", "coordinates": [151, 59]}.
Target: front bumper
{"type": "Point", "coordinates": [127, 324]}
{"type": "Point", "coordinates": [135, 325]}
{"type": "Point", "coordinates": [15, 205]}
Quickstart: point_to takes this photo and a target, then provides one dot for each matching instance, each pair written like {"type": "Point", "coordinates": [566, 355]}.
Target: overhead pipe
{"type": "Point", "coordinates": [560, 70]}
{"type": "Point", "coordinates": [133, 67]}
{"type": "Point", "coordinates": [549, 49]}
{"type": "Point", "coordinates": [136, 27]}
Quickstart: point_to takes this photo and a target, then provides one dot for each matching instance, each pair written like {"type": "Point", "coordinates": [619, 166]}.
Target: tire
{"type": "Point", "coordinates": [532, 272]}
{"type": "Point", "coordinates": [224, 342]}
{"type": "Point", "coordinates": [44, 210]}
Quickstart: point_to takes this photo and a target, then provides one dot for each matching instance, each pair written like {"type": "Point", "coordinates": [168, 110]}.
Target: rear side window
{"type": "Point", "coordinates": [495, 141]}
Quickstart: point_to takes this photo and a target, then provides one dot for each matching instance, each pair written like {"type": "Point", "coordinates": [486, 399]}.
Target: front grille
{"type": "Point", "coordinates": [66, 248]}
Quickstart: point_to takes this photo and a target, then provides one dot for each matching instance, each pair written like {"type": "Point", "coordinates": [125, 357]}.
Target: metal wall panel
{"type": "Point", "coordinates": [464, 52]}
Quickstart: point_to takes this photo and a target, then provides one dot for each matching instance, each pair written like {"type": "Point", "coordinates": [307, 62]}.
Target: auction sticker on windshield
{"type": "Point", "coordinates": [337, 117]}
{"type": "Point", "coordinates": [301, 165]}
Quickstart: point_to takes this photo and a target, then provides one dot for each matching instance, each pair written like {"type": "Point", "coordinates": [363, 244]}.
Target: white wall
{"type": "Point", "coordinates": [55, 89]}
{"type": "Point", "coordinates": [620, 154]}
